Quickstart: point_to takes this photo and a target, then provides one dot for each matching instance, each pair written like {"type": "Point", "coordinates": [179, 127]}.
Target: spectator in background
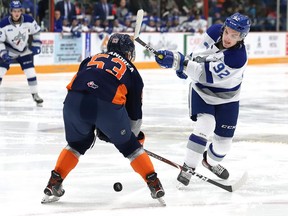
{"type": "Point", "coordinates": [28, 5]}
{"type": "Point", "coordinates": [78, 7]}
{"type": "Point", "coordinates": [76, 28]}
{"type": "Point", "coordinates": [122, 11]}
{"type": "Point", "coordinates": [87, 9]}
{"type": "Point", "coordinates": [197, 25]}
{"type": "Point", "coordinates": [58, 22]}
{"type": "Point", "coordinates": [166, 24]}
{"type": "Point", "coordinates": [151, 26]}
{"type": "Point", "coordinates": [97, 27]}
{"type": "Point", "coordinates": [66, 26]}
{"type": "Point", "coordinates": [176, 27]}
{"type": "Point", "coordinates": [128, 24]}
{"type": "Point", "coordinates": [85, 25]}
{"type": "Point", "coordinates": [67, 9]}
{"type": "Point", "coordinates": [108, 28]}
{"type": "Point", "coordinates": [118, 27]}
{"type": "Point", "coordinates": [103, 10]}
{"type": "Point", "coordinates": [134, 6]}
{"type": "Point", "coordinates": [43, 8]}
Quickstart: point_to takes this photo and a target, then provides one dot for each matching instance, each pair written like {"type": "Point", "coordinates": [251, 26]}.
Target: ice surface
{"type": "Point", "coordinates": [31, 138]}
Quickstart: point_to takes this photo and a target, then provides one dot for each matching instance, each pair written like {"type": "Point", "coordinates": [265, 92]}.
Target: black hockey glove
{"type": "Point", "coordinates": [141, 137]}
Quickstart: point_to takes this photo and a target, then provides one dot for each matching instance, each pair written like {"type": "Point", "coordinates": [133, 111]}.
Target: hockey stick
{"type": "Point", "coordinates": [229, 188]}
{"type": "Point", "coordinates": [139, 20]}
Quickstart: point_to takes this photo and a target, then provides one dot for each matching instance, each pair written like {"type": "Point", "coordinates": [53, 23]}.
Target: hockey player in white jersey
{"type": "Point", "coordinates": [216, 69]}
{"type": "Point", "coordinates": [15, 31]}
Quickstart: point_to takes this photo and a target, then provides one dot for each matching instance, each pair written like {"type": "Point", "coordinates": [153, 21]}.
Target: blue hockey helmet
{"type": "Point", "coordinates": [239, 23]}
{"type": "Point", "coordinates": [121, 44]}
{"type": "Point", "coordinates": [15, 5]}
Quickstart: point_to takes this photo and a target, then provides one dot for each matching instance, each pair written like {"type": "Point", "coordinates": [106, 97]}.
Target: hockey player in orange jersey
{"type": "Point", "coordinates": [105, 96]}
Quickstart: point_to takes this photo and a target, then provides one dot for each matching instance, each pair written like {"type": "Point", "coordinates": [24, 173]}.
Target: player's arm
{"type": "Point", "coordinates": [134, 106]}
{"type": "Point", "coordinates": [35, 34]}
{"type": "Point", "coordinates": [4, 54]}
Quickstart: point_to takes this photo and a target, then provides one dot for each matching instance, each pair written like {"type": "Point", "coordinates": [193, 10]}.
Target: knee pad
{"type": "Point", "coordinates": [204, 126]}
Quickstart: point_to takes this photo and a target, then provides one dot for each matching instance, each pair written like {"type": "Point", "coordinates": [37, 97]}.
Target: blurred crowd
{"type": "Point", "coordinates": [160, 15]}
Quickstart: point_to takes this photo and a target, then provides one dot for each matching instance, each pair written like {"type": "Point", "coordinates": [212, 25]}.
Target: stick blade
{"type": "Point", "coordinates": [240, 182]}
{"type": "Point", "coordinates": [139, 19]}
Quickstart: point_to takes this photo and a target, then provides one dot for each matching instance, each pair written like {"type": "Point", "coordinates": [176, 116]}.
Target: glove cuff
{"type": "Point", "coordinates": [178, 61]}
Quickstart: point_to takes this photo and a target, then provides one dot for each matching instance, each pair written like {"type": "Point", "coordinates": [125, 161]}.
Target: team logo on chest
{"type": "Point", "coordinates": [18, 38]}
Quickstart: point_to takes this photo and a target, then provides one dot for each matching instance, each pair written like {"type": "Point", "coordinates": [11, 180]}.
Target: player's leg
{"type": "Point", "coordinates": [203, 114]}
{"type": "Point", "coordinates": [114, 122]}
{"type": "Point", "coordinates": [226, 121]}
{"type": "Point", "coordinates": [80, 137]}
{"type": "Point", "coordinates": [4, 67]}
{"type": "Point", "coordinates": [27, 66]}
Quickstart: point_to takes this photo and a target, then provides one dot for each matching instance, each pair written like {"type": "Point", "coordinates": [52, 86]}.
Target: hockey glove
{"type": "Point", "coordinates": [36, 47]}
{"type": "Point", "coordinates": [172, 60]}
{"type": "Point", "coordinates": [102, 136]}
{"type": "Point", "coordinates": [168, 59]}
{"type": "Point", "coordinates": [5, 56]}
{"type": "Point", "coordinates": [141, 138]}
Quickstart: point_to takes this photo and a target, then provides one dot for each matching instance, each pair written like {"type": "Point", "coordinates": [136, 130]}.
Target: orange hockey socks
{"type": "Point", "coordinates": [143, 165]}
{"type": "Point", "coordinates": [67, 160]}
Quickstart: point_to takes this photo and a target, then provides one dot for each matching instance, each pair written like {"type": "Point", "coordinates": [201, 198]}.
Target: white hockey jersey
{"type": "Point", "coordinates": [217, 74]}
{"type": "Point", "coordinates": [14, 37]}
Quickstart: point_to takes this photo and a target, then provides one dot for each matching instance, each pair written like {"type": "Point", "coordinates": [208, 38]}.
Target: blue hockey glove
{"type": "Point", "coordinates": [172, 60]}
{"type": "Point", "coordinates": [36, 50]}
{"type": "Point", "coordinates": [167, 60]}
{"type": "Point", "coordinates": [181, 75]}
{"type": "Point", "coordinates": [5, 56]}
{"type": "Point", "coordinates": [36, 47]}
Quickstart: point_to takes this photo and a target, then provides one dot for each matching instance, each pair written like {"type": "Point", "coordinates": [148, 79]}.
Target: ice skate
{"type": "Point", "coordinates": [53, 190]}
{"type": "Point", "coordinates": [39, 101]}
{"type": "Point", "coordinates": [155, 186]}
{"type": "Point", "coordinates": [184, 175]}
{"type": "Point", "coordinates": [218, 170]}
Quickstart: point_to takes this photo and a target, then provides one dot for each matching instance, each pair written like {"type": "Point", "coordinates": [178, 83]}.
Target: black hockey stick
{"type": "Point", "coordinates": [229, 188]}
{"type": "Point", "coordinates": [139, 20]}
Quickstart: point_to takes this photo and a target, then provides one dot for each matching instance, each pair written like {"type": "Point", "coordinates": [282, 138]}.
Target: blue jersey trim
{"type": "Point", "coordinates": [4, 22]}
{"type": "Point", "coordinates": [197, 139]}
{"type": "Point", "coordinates": [209, 77]}
{"type": "Point", "coordinates": [214, 31]}
{"type": "Point", "coordinates": [217, 90]}
{"type": "Point", "coordinates": [235, 57]}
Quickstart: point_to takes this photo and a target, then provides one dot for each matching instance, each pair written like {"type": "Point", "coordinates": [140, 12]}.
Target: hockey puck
{"type": "Point", "coordinates": [117, 187]}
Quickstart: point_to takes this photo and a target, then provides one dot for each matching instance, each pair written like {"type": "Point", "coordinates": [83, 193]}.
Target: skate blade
{"type": "Point", "coordinates": [49, 199]}
{"type": "Point", "coordinates": [161, 201]}
{"type": "Point", "coordinates": [39, 104]}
